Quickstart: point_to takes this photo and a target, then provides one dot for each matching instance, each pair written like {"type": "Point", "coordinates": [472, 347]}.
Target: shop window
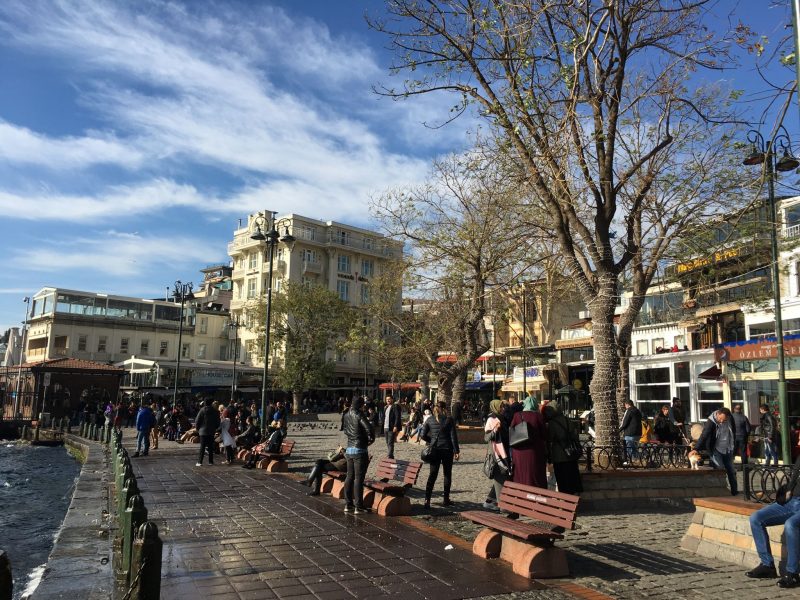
{"type": "Point", "coordinates": [682, 372]}
{"type": "Point", "coordinates": [652, 388]}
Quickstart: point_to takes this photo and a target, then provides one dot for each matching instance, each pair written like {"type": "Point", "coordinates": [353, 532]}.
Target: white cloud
{"type": "Point", "coordinates": [118, 254]}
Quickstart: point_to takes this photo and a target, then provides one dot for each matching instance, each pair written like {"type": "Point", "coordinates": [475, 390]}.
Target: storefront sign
{"type": "Point", "coordinates": [757, 350]}
{"type": "Point", "coordinates": [529, 372]}
{"type": "Point", "coordinates": [717, 257]}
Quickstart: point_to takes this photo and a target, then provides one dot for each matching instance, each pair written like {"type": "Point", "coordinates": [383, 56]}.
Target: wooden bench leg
{"type": "Point", "coordinates": [371, 498]}
{"type": "Point", "coordinates": [534, 562]}
{"type": "Point", "coordinates": [263, 463]}
{"type": "Point", "coordinates": [327, 484]}
{"type": "Point", "coordinates": [394, 506]}
{"type": "Point", "coordinates": [337, 489]}
{"type": "Point", "coordinates": [278, 466]}
{"type": "Point", "coordinates": [487, 544]}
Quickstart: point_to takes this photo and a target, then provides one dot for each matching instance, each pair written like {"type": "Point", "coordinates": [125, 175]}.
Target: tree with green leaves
{"type": "Point", "coordinates": [309, 323]}
{"type": "Point", "coordinates": [602, 122]}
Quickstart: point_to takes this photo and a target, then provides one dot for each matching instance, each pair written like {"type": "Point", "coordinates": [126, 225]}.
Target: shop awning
{"type": "Point", "coordinates": [489, 355]}
{"type": "Point", "coordinates": [712, 374]}
{"type": "Point", "coordinates": [400, 386]}
{"type": "Point", "coordinates": [446, 358]}
{"type": "Point", "coordinates": [533, 385]}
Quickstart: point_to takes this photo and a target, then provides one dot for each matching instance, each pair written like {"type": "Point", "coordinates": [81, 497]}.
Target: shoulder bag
{"type": "Point", "coordinates": [572, 449]}
{"type": "Point", "coordinates": [429, 451]}
{"type": "Point", "coordinates": [520, 435]}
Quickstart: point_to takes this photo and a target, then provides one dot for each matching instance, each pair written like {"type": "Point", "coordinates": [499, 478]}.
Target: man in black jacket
{"type": "Point", "coordinates": [741, 428]}
{"type": "Point", "coordinates": [359, 435]}
{"type": "Point", "coordinates": [631, 429]}
{"type": "Point", "coordinates": [788, 515]}
{"type": "Point", "coordinates": [392, 422]}
{"type": "Point", "coordinates": [207, 423]}
{"type": "Point", "coordinates": [718, 439]}
{"type": "Point", "coordinates": [769, 431]}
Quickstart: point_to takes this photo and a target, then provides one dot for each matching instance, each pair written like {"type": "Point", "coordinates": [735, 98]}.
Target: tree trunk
{"type": "Point", "coordinates": [623, 376]}
{"type": "Point", "coordinates": [297, 401]}
{"type": "Point", "coordinates": [425, 385]}
{"type": "Point", "coordinates": [457, 404]}
{"type": "Point", "coordinates": [445, 391]}
{"type": "Point", "coordinates": [604, 380]}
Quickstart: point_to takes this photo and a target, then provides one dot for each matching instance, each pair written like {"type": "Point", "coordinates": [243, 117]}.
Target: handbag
{"type": "Point", "coordinates": [429, 452]}
{"type": "Point", "coordinates": [520, 435]}
{"type": "Point", "coordinates": [489, 463]}
{"type": "Point", "coordinates": [572, 449]}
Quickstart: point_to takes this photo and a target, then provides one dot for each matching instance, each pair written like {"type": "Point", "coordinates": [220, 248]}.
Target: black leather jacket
{"type": "Point", "coordinates": [445, 429]}
{"type": "Point", "coordinates": [357, 429]}
{"type": "Point", "coordinates": [768, 425]}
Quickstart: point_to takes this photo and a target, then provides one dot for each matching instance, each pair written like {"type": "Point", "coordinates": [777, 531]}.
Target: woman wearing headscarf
{"type": "Point", "coordinates": [496, 433]}
{"type": "Point", "coordinates": [561, 435]}
{"type": "Point", "coordinates": [441, 431]}
{"type": "Point", "coordinates": [228, 441]}
{"type": "Point", "coordinates": [530, 459]}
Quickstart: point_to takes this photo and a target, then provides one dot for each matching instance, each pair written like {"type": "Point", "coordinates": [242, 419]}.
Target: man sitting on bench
{"type": "Point", "coordinates": [336, 461]}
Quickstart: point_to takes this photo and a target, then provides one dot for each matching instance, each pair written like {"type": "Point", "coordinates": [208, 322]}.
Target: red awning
{"type": "Point", "coordinates": [400, 386]}
{"type": "Point", "coordinates": [446, 358]}
{"type": "Point", "coordinates": [485, 358]}
{"type": "Point", "coordinates": [713, 373]}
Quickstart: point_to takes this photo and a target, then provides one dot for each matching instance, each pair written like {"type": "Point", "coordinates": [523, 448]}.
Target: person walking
{"type": "Point", "coordinates": [158, 421]}
{"type": "Point", "coordinates": [392, 422]}
{"type": "Point", "coordinates": [786, 513]}
{"type": "Point", "coordinates": [530, 459]}
{"type": "Point", "coordinates": [144, 422]}
{"type": "Point", "coordinates": [769, 431]}
{"type": "Point", "coordinates": [718, 440]}
{"type": "Point", "coordinates": [631, 429]}
{"type": "Point", "coordinates": [360, 436]}
{"type": "Point", "coordinates": [562, 439]}
{"type": "Point", "coordinates": [206, 422]}
{"type": "Point", "coordinates": [496, 434]}
{"type": "Point", "coordinates": [228, 441]}
{"type": "Point", "coordinates": [741, 431]}
{"type": "Point", "coordinates": [440, 432]}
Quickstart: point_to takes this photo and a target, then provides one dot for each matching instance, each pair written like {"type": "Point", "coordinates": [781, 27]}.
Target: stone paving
{"type": "Point", "coordinates": [233, 533]}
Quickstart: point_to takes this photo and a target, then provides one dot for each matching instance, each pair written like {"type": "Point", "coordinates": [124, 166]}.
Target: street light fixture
{"type": "Point", "coordinates": [763, 153]}
{"type": "Point", "coordinates": [181, 292]}
{"type": "Point", "coordinates": [271, 238]}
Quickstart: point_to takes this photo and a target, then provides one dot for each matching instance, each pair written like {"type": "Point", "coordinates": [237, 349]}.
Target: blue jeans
{"type": "Point", "coordinates": [143, 441]}
{"type": "Point", "coordinates": [775, 514]}
{"type": "Point", "coordinates": [725, 461]}
{"type": "Point", "coordinates": [770, 451]}
{"type": "Point", "coordinates": [631, 446]}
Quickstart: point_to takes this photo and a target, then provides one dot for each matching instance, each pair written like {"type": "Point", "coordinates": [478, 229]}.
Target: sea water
{"type": "Point", "coordinates": [36, 485]}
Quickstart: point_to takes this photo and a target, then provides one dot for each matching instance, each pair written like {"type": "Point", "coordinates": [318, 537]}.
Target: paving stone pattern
{"type": "Point", "coordinates": [233, 533]}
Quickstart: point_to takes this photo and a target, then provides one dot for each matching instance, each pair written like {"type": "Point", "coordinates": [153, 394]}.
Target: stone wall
{"type": "Point", "coordinates": [721, 529]}
{"type": "Point", "coordinates": [639, 488]}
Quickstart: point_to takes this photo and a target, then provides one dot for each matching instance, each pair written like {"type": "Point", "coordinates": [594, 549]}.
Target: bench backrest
{"type": "Point", "coordinates": [405, 471]}
{"type": "Point", "coordinates": [287, 446]}
{"type": "Point", "coordinates": [540, 504]}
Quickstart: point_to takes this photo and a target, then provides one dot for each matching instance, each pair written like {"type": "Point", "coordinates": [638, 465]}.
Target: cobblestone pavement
{"type": "Point", "coordinates": [622, 555]}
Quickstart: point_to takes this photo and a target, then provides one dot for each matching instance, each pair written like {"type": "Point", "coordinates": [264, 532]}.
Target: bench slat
{"type": "Point", "coordinates": [553, 508]}
{"type": "Point", "coordinates": [403, 471]}
{"type": "Point", "coordinates": [518, 529]}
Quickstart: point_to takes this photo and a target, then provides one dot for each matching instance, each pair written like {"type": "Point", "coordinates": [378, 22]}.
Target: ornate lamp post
{"type": "Point", "coordinates": [27, 302]}
{"type": "Point", "coordinates": [180, 293]}
{"type": "Point", "coordinates": [271, 238]}
{"type": "Point", "coordinates": [763, 153]}
{"type": "Point", "coordinates": [235, 324]}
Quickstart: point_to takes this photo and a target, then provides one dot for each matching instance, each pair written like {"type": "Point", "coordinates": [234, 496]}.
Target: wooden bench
{"type": "Point", "coordinates": [333, 481]}
{"type": "Point", "coordinates": [272, 462]}
{"type": "Point", "coordinates": [387, 491]}
{"type": "Point", "coordinates": [529, 547]}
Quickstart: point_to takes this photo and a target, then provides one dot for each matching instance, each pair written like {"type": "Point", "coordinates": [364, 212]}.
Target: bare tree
{"type": "Point", "coordinates": [597, 109]}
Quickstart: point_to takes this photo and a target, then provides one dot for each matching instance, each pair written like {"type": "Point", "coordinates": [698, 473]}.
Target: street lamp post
{"type": "Point", "coordinates": [27, 302]}
{"type": "Point", "coordinates": [233, 322]}
{"type": "Point", "coordinates": [271, 239]}
{"type": "Point", "coordinates": [181, 292]}
{"type": "Point", "coordinates": [524, 342]}
{"type": "Point", "coordinates": [763, 153]}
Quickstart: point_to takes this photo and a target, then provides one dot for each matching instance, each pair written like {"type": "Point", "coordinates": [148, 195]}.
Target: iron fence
{"type": "Point", "coordinates": [643, 456]}
{"type": "Point", "coordinates": [761, 482]}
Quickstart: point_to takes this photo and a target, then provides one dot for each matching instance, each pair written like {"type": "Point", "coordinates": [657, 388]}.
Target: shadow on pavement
{"type": "Point", "coordinates": [637, 558]}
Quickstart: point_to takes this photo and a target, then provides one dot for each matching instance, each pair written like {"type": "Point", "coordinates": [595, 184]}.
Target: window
{"type": "Point", "coordinates": [368, 243]}
{"type": "Point", "coordinates": [658, 345]}
{"type": "Point", "coordinates": [250, 350]}
{"type": "Point", "coordinates": [144, 347]}
{"type": "Point", "coordinates": [203, 325]}
{"type": "Point", "coordinates": [201, 351]}
{"type": "Point", "coordinates": [364, 294]}
{"type": "Point", "coordinates": [309, 255]}
{"type": "Point", "coordinates": [252, 284]}
{"type": "Point", "coordinates": [343, 263]}
{"type": "Point", "coordinates": [81, 343]}
{"type": "Point", "coordinates": [277, 286]}
{"type": "Point", "coordinates": [305, 232]}
{"type": "Point", "coordinates": [101, 343]}
{"type": "Point", "coordinates": [642, 348]}
{"type": "Point", "coordinates": [253, 261]}
{"type": "Point", "coordinates": [367, 268]}
{"type": "Point", "coordinates": [652, 389]}
{"type": "Point", "coordinates": [306, 281]}
{"type": "Point", "coordinates": [680, 341]}
{"type": "Point", "coordinates": [341, 356]}
{"type": "Point", "coordinates": [162, 351]}
{"type": "Point", "coordinates": [186, 351]}
{"type": "Point", "coordinates": [343, 289]}
{"type": "Point", "coordinates": [342, 237]}
{"type": "Point", "coordinates": [223, 352]}
{"type": "Point", "coordinates": [123, 345]}
{"type": "Point", "coordinates": [709, 393]}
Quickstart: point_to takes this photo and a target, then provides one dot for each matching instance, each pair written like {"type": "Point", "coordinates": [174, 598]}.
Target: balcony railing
{"type": "Point", "coordinates": [791, 231]}
{"type": "Point", "coordinates": [312, 266]}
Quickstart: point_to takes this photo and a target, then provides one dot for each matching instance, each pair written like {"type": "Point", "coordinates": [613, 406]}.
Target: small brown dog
{"type": "Point", "coordinates": [694, 459]}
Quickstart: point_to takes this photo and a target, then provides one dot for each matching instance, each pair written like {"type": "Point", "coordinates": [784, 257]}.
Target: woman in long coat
{"type": "Point", "coordinates": [530, 460]}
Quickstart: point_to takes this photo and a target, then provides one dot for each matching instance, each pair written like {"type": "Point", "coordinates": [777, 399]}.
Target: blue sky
{"type": "Point", "coordinates": [133, 135]}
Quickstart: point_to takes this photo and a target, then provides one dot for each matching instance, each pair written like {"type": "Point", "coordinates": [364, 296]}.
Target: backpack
{"type": "Point", "coordinates": [646, 431]}
{"type": "Point", "coordinates": [275, 441]}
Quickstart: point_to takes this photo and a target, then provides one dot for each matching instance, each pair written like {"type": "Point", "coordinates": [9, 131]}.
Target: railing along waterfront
{"type": "Point", "coordinates": [645, 456]}
{"type": "Point", "coordinates": [761, 482]}
{"type": "Point", "coordinates": [137, 546]}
